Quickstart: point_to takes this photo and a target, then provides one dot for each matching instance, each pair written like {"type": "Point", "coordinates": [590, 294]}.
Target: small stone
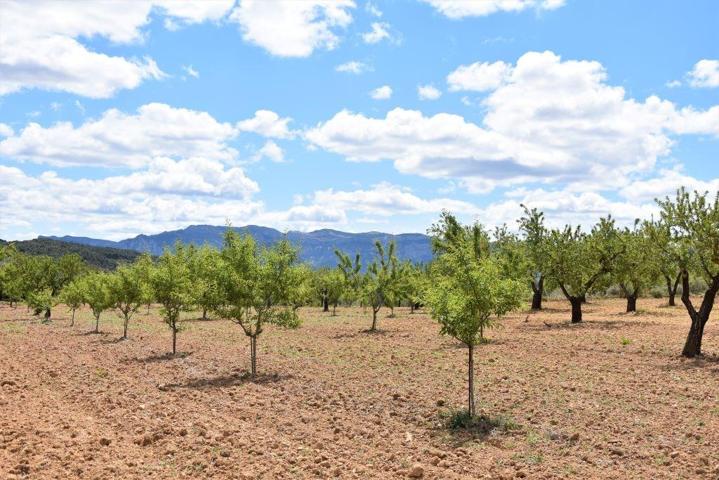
{"type": "Point", "coordinates": [674, 454]}
{"type": "Point", "coordinates": [105, 441]}
{"type": "Point", "coordinates": [574, 437]}
{"type": "Point", "coordinates": [416, 471]}
{"type": "Point", "coordinates": [440, 403]}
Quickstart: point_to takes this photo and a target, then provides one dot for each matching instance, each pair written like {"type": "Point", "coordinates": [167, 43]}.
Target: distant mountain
{"type": "Point", "coordinates": [96, 256]}
{"type": "Point", "coordinates": [317, 248]}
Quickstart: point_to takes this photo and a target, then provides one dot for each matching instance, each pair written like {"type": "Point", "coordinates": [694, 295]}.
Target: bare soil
{"type": "Point", "coordinates": [609, 398]}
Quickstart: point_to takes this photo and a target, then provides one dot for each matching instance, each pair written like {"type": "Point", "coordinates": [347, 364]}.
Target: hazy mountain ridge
{"type": "Point", "coordinates": [316, 248]}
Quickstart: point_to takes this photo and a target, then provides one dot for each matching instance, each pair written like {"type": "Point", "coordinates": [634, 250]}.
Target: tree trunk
{"type": "Point", "coordinates": [699, 318]}
{"type": "Point", "coordinates": [325, 304]}
{"type": "Point", "coordinates": [411, 307]}
{"type": "Point", "coordinates": [631, 303]}
{"type": "Point", "coordinates": [538, 291]}
{"type": "Point", "coordinates": [204, 313]}
{"type": "Point", "coordinates": [174, 340]}
{"type": "Point", "coordinates": [576, 309]}
{"type": "Point", "coordinates": [470, 375]}
{"type": "Point", "coordinates": [334, 310]}
{"type": "Point", "coordinates": [253, 356]}
{"type": "Point", "coordinates": [97, 323]}
{"type": "Point", "coordinates": [72, 320]}
{"type": "Point", "coordinates": [374, 320]}
{"type": "Point", "coordinates": [583, 298]}
{"type": "Point", "coordinates": [672, 290]}
{"type": "Point", "coordinates": [48, 313]}
{"type": "Point", "coordinates": [124, 328]}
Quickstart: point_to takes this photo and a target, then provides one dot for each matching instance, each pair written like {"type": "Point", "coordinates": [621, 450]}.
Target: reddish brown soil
{"type": "Point", "coordinates": [609, 398]}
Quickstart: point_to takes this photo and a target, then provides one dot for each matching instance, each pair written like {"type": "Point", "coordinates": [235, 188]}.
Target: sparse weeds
{"type": "Point", "coordinates": [461, 419]}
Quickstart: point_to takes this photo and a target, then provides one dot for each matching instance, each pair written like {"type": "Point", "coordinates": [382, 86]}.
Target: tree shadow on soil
{"type": "Point", "coordinates": [458, 429]}
{"type": "Point", "coordinates": [160, 357]}
{"type": "Point", "coordinates": [585, 325]}
{"type": "Point", "coordinates": [710, 362]}
{"type": "Point", "coordinates": [228, 381]}
{"type": "Point", "coordinates": [364, 332]}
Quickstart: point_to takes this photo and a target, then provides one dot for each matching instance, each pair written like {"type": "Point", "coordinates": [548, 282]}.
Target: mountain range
{"type": "Point", "coordinates": [316, 248]}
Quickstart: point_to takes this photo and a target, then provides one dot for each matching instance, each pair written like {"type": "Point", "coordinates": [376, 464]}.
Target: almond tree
{"type": "Point", "coordinates": [577, 261]}
{"type": "Point", "coordinates": [260, 287]}
{"type": "Point", "coordinates": [73, 296]}
{"type": "Point", "coordinates": [172, 287]}
{"type": "Point", "coordinates": [468, 293]}
{"type": "Point", "coordinates": [636, 269]}
{"type": "Point", "coordinates": [96, 291]}
{"type": "Point", "coordinates": [531, 224]}
{"type": "Point", "coordinates": [693, 220]}
{"type": "Point", "coordinates": [204, 264]}
{"type": "Point", "coordinates": [329, 285]}
{"type": "Point", "coordinates": [127, 293]}
{"type": "Point", "coordinates": [380, 281]}
{"type": "Point", "coordinates": [669, 256]}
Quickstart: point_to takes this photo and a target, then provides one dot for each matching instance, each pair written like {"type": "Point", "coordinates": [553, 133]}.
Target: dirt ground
{"type": "Point", "coordinates": [610, 398]}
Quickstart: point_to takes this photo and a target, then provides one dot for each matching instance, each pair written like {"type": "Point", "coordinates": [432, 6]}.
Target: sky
{"type": "Point", "coordinates": [125, 117]}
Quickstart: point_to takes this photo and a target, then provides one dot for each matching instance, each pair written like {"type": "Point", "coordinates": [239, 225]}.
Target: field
{"type": "Point", "coordinates": [609, 398]}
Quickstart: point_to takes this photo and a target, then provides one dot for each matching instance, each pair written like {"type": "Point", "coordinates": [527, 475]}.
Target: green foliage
{"type": "Point", "coordinates": [127, 292]}
{"type": "Point", "coordinates": [204, 264]}
{"type": "Point", "coordinates": [380, 284]}
{"type": "Point", "coordinates": [73, 296]}
{"type": "Point", "coordinates": [96, 291]}
{"type": "Point", "coordinates": [172, 287]}
{"type": "Point", "coordinates": [260, 286]}
{"type": "Point", "coordinates": [352, 272]}
{"type": "Point", "coordinates": [468, 293]}
{"type": "Point", "coordinates": [104, 258]}
{"type": "Point", "coordinates": [329, 285]}
{"type": "Point", "coordinates": [636, 269]}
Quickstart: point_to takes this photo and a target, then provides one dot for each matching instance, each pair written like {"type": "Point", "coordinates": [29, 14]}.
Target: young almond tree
{"type": "Point", "coordinates": [96, 290]}
{"type": "Point", "coordinates": [144, 267]}
{"type": "Point", "coordinates": [381, 280]}
{"type": "Point", "coordinates": [352, 274]}
{"type": "Point", "coordinates": [636, 269]}
{"type": "Point", "coordinates": [127, 293]}
{"type": "Point", "coordinates": [172, 287]}
{"type": "Point", "coordinates": [328, 285]}
{"type": "Point", "coordinates": [693, 220]}
{"type": "Point", "coordinates": [204, 263]}
{"type": "Point", "coordinates": [468, 293]}
{"type": "Point", "coordinates": [531, 224]}
{"type": "Point", "coordinates": [73, 296]}
{"type": "Point", "coordinates": [578, 262]}
{"type": "Point", "coordinates": [669, 256]}
{"type": "Point", "coordinates": [260, 287]}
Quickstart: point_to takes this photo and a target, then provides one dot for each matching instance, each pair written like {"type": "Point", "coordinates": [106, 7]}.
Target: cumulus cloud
{"type": "Point", "coordinates": [548, 121]}
{"type": "Point", "coordinates": [44, 51]}
{"type": "Point", "coordinates": [118, 139]}
{"type": "Point", "coordinates": [268, 124]}
{"type": "Point", "coordinates": [271, 151]}
{"type": "Point", "coordinates": [428, 92]}
{"type": "Point", "coordinates": [289, 28]}
{"type": "Point", "coordinates": [705, 74]}
{"type": "Point", "coordinates": [381, 93]}
{"type": "Point", "coordinates": [457, 9]}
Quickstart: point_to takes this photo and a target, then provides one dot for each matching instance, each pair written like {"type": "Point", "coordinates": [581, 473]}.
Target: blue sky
{"type": "Point", "coordinates": [125, 118]}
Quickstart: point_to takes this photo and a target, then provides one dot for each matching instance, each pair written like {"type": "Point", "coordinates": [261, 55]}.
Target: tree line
{"type": "Point", "coordinates": [476, 276]}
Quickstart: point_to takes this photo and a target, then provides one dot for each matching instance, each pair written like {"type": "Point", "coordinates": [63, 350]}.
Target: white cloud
{"type": "Point", "coordinates": [386, 199]}
{"type": "Point", "coordinates": [191, 71]}
{"type": "Point", "coordinates": [666, 184]}
{"type": "Point", "coordinates": [479, 77]}
{"type": "Point", "coordinates": [268, 124]}
{"type": "Point", "coordinates": [290, 28]}
{"type": "Point", "coordinates": [381, 93]}
{"type": "Point", "coordinates": [167, 195]}
{"type": "Point", "coordinates": [456, 9]}
{"type": "Point", "coordinates": [428, 92]}
{"type": "Point", "coordinates": [373, 9]}
{"type": "Point", "coordinates": [271, 151]}
{"type": "Point", "coordinates": [550, 121]}
{"type": "Point", "coordinates": [6, 130]}
{"type": "Point", "coordinates": [379, 32]}
{"type": "Point", "coordinates": [674, 84]}
{"type": "Point", "coordinates": [43, 50]}
{"type": "Point", "coordinates": [119, 139]}
{"type": "Point", "coordinates": [353, 67]}
{"type": "Point", "coordinates": [705, 74]}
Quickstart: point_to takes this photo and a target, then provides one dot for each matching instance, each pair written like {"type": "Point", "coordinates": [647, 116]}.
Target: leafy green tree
{"type": "Point", "coordinates": [96, 290]}
{"type": "Point", "coordinates": [204, 263]}
{"type": "Point", "coordinates": [416, 279]}
{"type": "Point", "coordinates": [173, 288]}
{"type": "Point", "coordinates": [531, 224]}
{"type": "Point", "coordinates": [144, 267]}
{"type": "Point", "coordinates": [380, 280]}
{"type": "Point", "coordinates": [260, 287]}
{"type": "Point", "coordinates": [669, 256]}
{"type": "Point", "coordinates": [636, 269]}
{"type": "Point", "coordinates": [73, 296]}
{"type": "Point", "coordinates": [578, 262]}
{"type": "Point", "coordinates": [468, 293]}
{"type": "Point", "coordinates": [352, 273]}
{"type": "Point", "coordinates": [329, 286]}
{"type": "Point", "coordinates": [693, 220]}
{"type": "Point", "coordinates": [126, 293]}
